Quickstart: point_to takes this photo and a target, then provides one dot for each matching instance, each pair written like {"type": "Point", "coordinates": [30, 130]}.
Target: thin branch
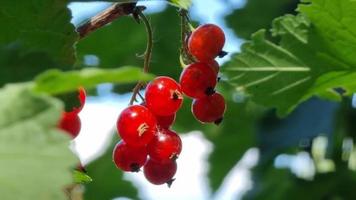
{"type": "Point", "coordinates": [148, 52]}
{"type": "Point", "coordinates": [108, 15]}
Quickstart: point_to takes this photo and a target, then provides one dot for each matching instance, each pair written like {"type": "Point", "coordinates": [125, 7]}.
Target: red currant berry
{"type": "Point", "coordinates": [81, 98]}
{"type": "Point", "coordinates": [136, 125]}
{"type": "Point", "coordinates": [165, 146]}
{"type": "Point", "coordinates": [198, 80]}
{"type": "Point", "coordinates": [70, 122]}
{"type": "Point", "coordinates": [214, 65]}
{"type": "Point", "coordinates": [160, 173]}
{"type": "Point", "coordinates": [209, 109]}
{"type": "Point", "coordinates": [163, 96]}
{"type": "Point", "coordinates": [129, 158]}
{"type": "Point", "coordinates": [165, 121]}
{"type": "Point", "coordinates": [206, 42]}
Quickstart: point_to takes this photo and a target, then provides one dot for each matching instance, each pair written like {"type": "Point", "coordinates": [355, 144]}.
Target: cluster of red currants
{"type": "Point", "coordinates": [198, 80]}
{"type": "Point", "coordinates": [147, 139]}
{"type": "Point", "coordinates": [70, 121]}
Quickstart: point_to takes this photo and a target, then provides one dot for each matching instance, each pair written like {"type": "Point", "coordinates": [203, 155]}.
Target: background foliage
{"type": "Point", "coordinates": [295, 55]}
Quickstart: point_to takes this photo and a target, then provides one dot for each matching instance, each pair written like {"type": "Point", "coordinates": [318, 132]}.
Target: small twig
{"type": "Point", "coordinates": [146, 65]}
{"type": "Point", "coordinates": [108, 15]}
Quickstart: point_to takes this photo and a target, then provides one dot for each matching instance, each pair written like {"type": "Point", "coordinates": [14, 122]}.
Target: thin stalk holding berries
{"type": "Point", "coordinates": [147, 54]}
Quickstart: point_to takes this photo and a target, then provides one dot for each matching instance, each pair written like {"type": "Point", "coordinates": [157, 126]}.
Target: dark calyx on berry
{"type": "Point", "coordinates": [218, 121]}
{"type": "Point", "coordinates": [209, 91]}
{"type": "Point", "coordinates": [222, 54]}
{"type": "Point", "coordinates": [135, 167]}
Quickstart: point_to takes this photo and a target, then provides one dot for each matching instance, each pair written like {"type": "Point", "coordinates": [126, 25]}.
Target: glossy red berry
{"type": "Point", "coordinates": [136, 125]}
{"type": "Point", "coordinates": [129, 158]}
{"type": "Point", "coordinates": [214, 65]}
{"type": "Point", "coordinates": [70, 122]}
{"type": "Point", "coordinates": [165, 146]}
{"type": "Point", "coordinates": [206, 42]}
{"type": "Point", "coordinates": [81, 98]}
{"type": "Point", "coordinates": [198, 80]}
{"type": "Point", "coordinates": [165, 122]}
{"type": "Point", "coordinates": [160, 173]}
{"type": "Point", "coordinates": [163, 96]}
{"type": "Point", "coordinates": [209, 109]}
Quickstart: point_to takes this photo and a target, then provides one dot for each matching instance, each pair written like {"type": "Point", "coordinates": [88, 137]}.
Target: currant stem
{"type": "Point", "coordinates": [147, 54]}
{"type": "Point", "coordinates": [185, 31]}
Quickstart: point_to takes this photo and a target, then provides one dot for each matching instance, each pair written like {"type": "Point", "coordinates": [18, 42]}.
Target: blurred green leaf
{"type": "Point", "coordinates": [231, 140]}
{"type": "Point", "coordinates": [336, 185]}
{"type": "Point", "coordinates": [185, 4]}
{"type": "Point", "coordinates": [123, 40]}
{"type": "Point", "coordinates": [108, 180]}
{"type": "Point", "coordinates": [258, 14]}
{"type": "Point", "coordinates": [35, 158]}
{"type": "Point", "coordinates": [35, 35]}
{"type": "Point", "coordinates": [81, 177]}
{"type": "Point", "coordinates": [312, 58]}
{"type": "Point", "coordinates": [55, 81]}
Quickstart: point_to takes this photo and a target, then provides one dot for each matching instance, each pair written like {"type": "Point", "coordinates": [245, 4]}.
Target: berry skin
{"type": "Point", "coordinates": [165, 122]}
{"type": "Point", "coordinates": [209, 109]}
{"type": "Point", "coordinates": [214, 65]}
{"type": "Point", "coordinates": [198, 80]}
{"type": "Point", "coordinates": [206, 42]}
{"type": "Point", "coordinates": [163, 96]}
{"type": "Point", "coordinates": [165, 146]}
{"type": "Point", "coordinates": [70, 122]}
{"type": "Point", "coordinates": [81, 98]}
{"type": "Point", "coordinates": [136, 125]}
{"type": "Point", "coordinates": [129, 158]}
{"type": "Point", "coordinates": [160, 173]}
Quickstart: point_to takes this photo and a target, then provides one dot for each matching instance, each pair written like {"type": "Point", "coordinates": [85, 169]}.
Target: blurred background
{"type": "Point", "coordinates": [253, 155]}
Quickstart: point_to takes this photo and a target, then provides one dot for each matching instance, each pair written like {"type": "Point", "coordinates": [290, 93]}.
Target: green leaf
{"type": "Point", "coordinates": [35, 35]}
{"type": "Point", "coordinates": [185, 4]}
{"type": "Point", "coordinates": [81, 177]}
{"type": "Point", "coordinates": [35, 158]}
{"type": "Point", "coordinates": [257, 14]}
{"type": "Point", "coordinates": [55, 81]}
{"type": "Point", "coordinates": [108, 181]}
{"type": "Point", "coordinates": [336, 185]}
{"type": "Point", "coordinates": [312, 58]}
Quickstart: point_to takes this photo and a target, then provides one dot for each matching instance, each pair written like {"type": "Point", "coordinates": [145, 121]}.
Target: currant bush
{"type": "Point", "coordinates": [145, 129]}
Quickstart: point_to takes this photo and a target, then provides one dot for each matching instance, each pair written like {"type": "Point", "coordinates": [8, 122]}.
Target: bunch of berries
{"type": "Point", "coordinates": [70, 121]}
{"type": "Point", "coordinates": [198, 80]}
{"type": "Point", "coordinates": [147, 139]}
